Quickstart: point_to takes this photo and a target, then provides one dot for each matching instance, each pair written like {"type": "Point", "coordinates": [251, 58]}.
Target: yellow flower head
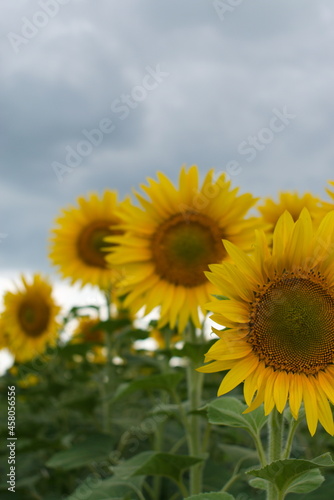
{"type": "Point", "coordinates": [171, 239]}
{"type": "Point", "coordinates": [29, 380]}
{"type": "Point", "coordinates": [3, 335]}
{"type": "Point", "coordinates": [29, 318]}
{"type": "Point", "coordinates": [87, 331]}
{"type": "Point", "coordinates": [25, 381]}
{"type": "Point", "coordinates": [280, 316]}
{"type": "Point", "coordinates": [78, 243]}
{"type": "Point", "coordinates": [294, 203]}
{"type": "Point", "coordinates": [161, 340]}
{"type": "Point", "coordinates": [325, 205]}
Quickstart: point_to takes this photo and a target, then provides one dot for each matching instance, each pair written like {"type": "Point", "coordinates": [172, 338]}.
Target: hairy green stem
{"type": "Point", "coordinates": [259, 449]}
{"type": "Point", "coordinates": [107, 370]}
{"type": "Point", "coordinates": [275, 423]}
{"type": "Point", "coordinates": [158, 446]}
{"type": "Point", "coordinates": [194, 436]}
{"type": "Point", "coordinates": [275, 428]}
{"type": "Point", "coordinates": [291, 434]}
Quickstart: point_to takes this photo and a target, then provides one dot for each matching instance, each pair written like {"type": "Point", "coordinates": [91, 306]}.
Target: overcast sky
{"type": "Point", "coordinates": [100, 93]}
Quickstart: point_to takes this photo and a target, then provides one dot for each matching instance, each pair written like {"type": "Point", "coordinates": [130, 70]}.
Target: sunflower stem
{"type": "Point", "coordinates": [259, 448]}
{"type": "Point", "coordinates": [107, 372]}
{"type": "Point", "coordinates": [275, 423]}
{"type": "Point", "coordinates": [158, 446]}
{"type": "Point", "coordinates": [275, 434]}
{"type": "Point", "coordinates": [289, 441]}
{"type": "Point", "coordinates": [194, 437]}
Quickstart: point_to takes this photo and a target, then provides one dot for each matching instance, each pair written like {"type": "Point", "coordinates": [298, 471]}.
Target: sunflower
{"type": "Point", "coordinates": [160, 338]}
{"type": "Point", "coordinates": [294, 203]}
{"type": "Point", "coordinates": [171, 239]}
{"type": "Point", "coordinates": [3, 335]}
{"type": "Point", "coordinates": [87, 330]}
{"type": "Point", "coordinates": [325, 205]}
{"type": "Point", "coordinates": [25, 381]}
{"type": "Point", "coordinates": [29, 318]}
{"type": "Point", "coordinates": [280, 320]}
{"type": "Point", "coordinates": [77, 244]}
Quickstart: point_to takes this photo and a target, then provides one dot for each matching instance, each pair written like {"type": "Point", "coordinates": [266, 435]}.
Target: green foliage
{"type": "Point", "coordinates": [167, 382]}
{"type": "Point", "coordinates": [151, 463]}
{"type": "Point", "coordinates": [293, 475]}
{"type": "Point", "coordinates": [95, 488]}
{"type": "Point", "coordinates": [193, 351]}
{"type": "Point", "coordinates": [211, 496]}
{"type": "Point", "coordinates": [229, 411]}
{"type": "Point", "coordinates": [95, 448]}
{"type": "Point", "coordinates": [100, 432]}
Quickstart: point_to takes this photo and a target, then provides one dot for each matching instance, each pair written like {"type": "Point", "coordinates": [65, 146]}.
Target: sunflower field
{"type": "Point", "coordinates": [206, 374]}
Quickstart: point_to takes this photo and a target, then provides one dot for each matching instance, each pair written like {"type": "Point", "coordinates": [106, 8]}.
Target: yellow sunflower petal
{"type": "Point", "coordinates": [216, 366]}
{"type": "Point", "coordinates": [244, 262]}
{"type": "Point", "coordinates": [326, 382]}
{"type": "Point", "coordinates": [325, 412]}
{"type": "Point", "coordinates": [310, 403]}
{"type": "Point", "coordinates": [269, 401]}
{"type": "Point", "coordinates": [281, 390]}
{"type": "Point", "coordinates": [238, 374]}
{"type": "Point", "coordinates": [296, 394]}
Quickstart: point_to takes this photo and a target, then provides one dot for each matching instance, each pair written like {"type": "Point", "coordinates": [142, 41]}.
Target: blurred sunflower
{"type": "Point", "coordinates": [161, 340]}
{"type": "Point", "coordinates": [280, 316]}
{"type": "Point", "coordinates": [3, 335]}
{"type": "Point", "coordinates": [325, 205]}
{"type": "Point", "coordinates": [87, 330]}
{"type": "Point", "coordinates": [77, 244]}
{"type": "Point", "coordinates": [171, 239]}
{"type": "Point", "coordinates": [28, 379]}
{"type": "Point", "coordinates": [29, 318]}
{"type": "Point", "coordinates": [294, 203]}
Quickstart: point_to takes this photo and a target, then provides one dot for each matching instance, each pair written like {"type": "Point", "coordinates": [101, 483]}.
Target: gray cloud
{"type": "Point", "coordinates": [225, 78]}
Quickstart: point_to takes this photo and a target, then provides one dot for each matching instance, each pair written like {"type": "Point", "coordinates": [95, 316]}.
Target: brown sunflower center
{"type": "Point", "coordinates": [91, 243]}
{"type": "Point", "coordinates": [292, 326]}
{"type": "Point", "coordinates": [91, 332]}
{"type": "Point", "coordinates": [34, 316]}
{"type": "Point", "coordinates": [184, 246]}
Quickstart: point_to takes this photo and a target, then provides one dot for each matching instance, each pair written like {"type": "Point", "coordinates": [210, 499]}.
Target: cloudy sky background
{"type": "Point", "coordinates": [224, 72]}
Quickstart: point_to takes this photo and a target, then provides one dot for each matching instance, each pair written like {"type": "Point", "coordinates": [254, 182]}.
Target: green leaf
{"type": "Point", "coordinates": [111, 325]}
{"type": "Point", "coordinates": [234, 453]}
{"type": "Point", "coordinates": [164, 409]}
{"type": "Point", "coordinates": [211, 496]}
{"type": "Point", "coordinates": [132, 334]}
{"type": "Point", "coordinates": [150, 463]}
{"type": "Point", "coordinates": [309, 481]}
{"type": "Point", "coordinates": [69, 350]}
{"type": "Point", "coordinates": [228, 411]}
{"type": "Point", "coordinates": [94, 488]}
{"type": "Point", "coordinates": [220, 297]}
{"type": "Point", "coordinates": [193, 351]}
{"type": "Point", "coordinates": [260, 484]}
{"type": "Point", "coordinates": [288, 474]}
{"type": "Point", "coordinates": [96, 448]}
{"type": "Point", "coordinates": [168, 382]}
